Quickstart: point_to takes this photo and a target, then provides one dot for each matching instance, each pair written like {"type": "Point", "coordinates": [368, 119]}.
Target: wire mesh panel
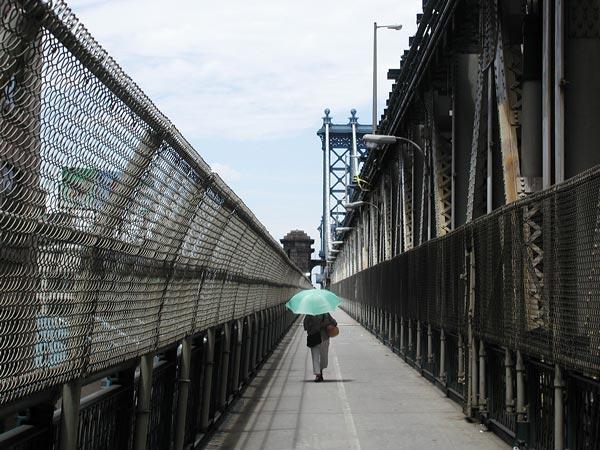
{"type": "Point", "coordinates": [99, 425]}
{"type": "Point", "coordinates": [536, 286]}
{"type": "Point", "coordinates": [454, 378]}
{"type": "Point", "coordinates": [583, 413]}
{"type": "Point", "coordinates": [116, 239]}
{"type": "Point", "coordinates": [161, 415]}
{"type": "Point", "coordinates": [496, 390]}
{"type": "Point", "coordinates": [541, 405]}
{"type": "Point", "coordinates": [192, 418]}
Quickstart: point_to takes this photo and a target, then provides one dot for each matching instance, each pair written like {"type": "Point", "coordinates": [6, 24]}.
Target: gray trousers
{"type": "Point", "coordinates": [320, 355]}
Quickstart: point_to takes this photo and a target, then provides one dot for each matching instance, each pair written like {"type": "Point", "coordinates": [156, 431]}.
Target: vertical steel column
{"type": "Point", "coordinates": [472, 343]}
{"type": "Point", "coordinates": [490, 142]}
{"type": "Point", "coordinates": [271, 340]}
{"type": "Point", "coordinates": [183, 389]}
{"type": "Point", "coordinates": [482, 390]}
{"type": "Point", "coordinates": [354, 149]}
{"type": "Point", "coordinates": [390, 330]}
{"type": "Point", "coordinates": [461, 358]}
{"type": "Point", "coordinates": [559, 408]}
{"type": "Point", "coordinates": [520, 369]}
{"type": "Point", "coordinates": [474, 379]}
{"type": "Point", "coordinates": [442, 375]}
{"type": "Point", "coordinates": [418, 355]}
{"type": "Point", "coordinates": [255, 341]}
{"type": "Point", "coordinates": [402, 347]}
{"type": "Point", "coordinates": [326, 187]}
{"type": "Point", "coordinates": [559, 93]}
{"type": "Point", "coordinates": [144, 396]}
{"type": "Point", "coordinates": [208, 376]}
{"type": "Point", "coordinates": [509, 400]}
{"type": "Point", "coordinates": [248, 352]}
{"type": "Point", "coordinates": [429, 346]}
{"type": "Point", "coordinates": [410, 336]}
{"type": "Point", "coordinates": [237, 362]}
{"type": "Point", "coordinates": [261, 338]}
{"type": "Point", "coordinates": [547, 95]}
{"type": "Point", "coordinates": [224, 375]}
{"type": "Point", "coordinates": [69, 425]}
{"type": "Point", "coordinates": [395, 329]}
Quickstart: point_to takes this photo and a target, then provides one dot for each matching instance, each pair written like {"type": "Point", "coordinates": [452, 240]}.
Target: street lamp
{"type": "Point", "coordinates": [373, 141]}
{"type": "Point", "coordinates": [375, 26]}
{"type": "Point", "coordinates": [355, 205]}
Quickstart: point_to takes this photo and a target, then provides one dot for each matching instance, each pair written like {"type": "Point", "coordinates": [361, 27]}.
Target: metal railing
{"type": "Point", "coordinates": [521, 355]}
{"type": "Point", "coordinates": [116, 239]}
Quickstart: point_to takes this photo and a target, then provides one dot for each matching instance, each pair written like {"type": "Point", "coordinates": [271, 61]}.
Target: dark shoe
{"type": "Point", "coordinates": [318, 378]}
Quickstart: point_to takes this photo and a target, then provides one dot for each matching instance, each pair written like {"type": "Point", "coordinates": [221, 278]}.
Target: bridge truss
{"type": "Point", "coordinates": [499, 97]}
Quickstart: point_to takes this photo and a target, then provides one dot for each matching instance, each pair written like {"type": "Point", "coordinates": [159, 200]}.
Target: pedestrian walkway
{"type": "Point", "coordinates": [370, 400]}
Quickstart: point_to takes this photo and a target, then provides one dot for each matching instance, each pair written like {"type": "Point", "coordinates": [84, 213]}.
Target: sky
{"type": "Point", "coordinates": [247, 82]}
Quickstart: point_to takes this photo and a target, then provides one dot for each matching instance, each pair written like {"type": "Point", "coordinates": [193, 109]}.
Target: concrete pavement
{"type": "Point", "coordinates": [370, 400]}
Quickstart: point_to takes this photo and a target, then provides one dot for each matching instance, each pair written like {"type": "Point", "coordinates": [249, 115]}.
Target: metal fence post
{"type": "Point", "coordinates": [410, 336]}
{"type": "Point", "coordinates": [69, 424]}
{"type": "Point", "coordinates": [238, 356]}
{"type": "Point", "coordinates": [520, 369]}
{"type": "Point", "coordinates": [248, 347]}
{"type": "Point", "coordinates": [208, 375]}
{"type": "Point", "coordinates": [461, 359]}
{"type": "Point", "coordinates": [418, 354]}
{"type": "Point", "coordinates": [402, 347]}
{"type": "Point", "coordinates": [395, 329]}
{"type": "Point", "coordinates": [482, 390]}
{"type": "Point", "coordinates": [442, 374]}
{"type": "Point", "coordinates": [261, 338]}
{"type": "Point", "coordinates": [142, 413]}
{"type": "Point", "coordinates": [224, 374]}
{"type": "Point", "coordinates": [559, 408]}
{"type": "Point", "coordinates": [429, 345]}
{"type": "Point", "coordinates": [509, 400]}
{"type": "Point", "coordinates": [255, 341]}
{"type": "Point", "coordinates": [183, 388]}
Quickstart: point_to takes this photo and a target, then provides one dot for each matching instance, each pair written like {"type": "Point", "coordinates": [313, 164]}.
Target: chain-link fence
{"type": "Point", "coordinates": [536, 277]}
{"type": "Point", "coordinates": [116, 239]}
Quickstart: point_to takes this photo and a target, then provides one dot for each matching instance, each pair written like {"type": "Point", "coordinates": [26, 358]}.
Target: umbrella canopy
{"type": "Point", "coordinates": [313, 302]}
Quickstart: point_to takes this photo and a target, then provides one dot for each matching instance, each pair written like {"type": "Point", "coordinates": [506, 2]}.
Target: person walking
{"type": "Point", "coordinates": [318, 341]}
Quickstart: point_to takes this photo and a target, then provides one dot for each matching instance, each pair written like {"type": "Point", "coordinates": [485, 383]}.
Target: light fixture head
{"type": "Point", "coordinates": [375, 140]}
{"type": "Point", "coordinates": [354, 205]}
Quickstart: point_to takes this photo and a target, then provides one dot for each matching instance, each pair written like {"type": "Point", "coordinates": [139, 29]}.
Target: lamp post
{"type": "Point", "coordinates": [375, 26]}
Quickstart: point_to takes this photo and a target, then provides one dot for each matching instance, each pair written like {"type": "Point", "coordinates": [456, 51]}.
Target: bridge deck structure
{"type": "Point", "coordinates": [370, 399]}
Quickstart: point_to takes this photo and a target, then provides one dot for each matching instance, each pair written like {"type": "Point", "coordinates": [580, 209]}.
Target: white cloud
{"type": "Point", "coordinates": [238, 75]}
{"type": "Point", "coordinates": [227, 173]}
{"type": "Point", "coordinates": [269, 67]}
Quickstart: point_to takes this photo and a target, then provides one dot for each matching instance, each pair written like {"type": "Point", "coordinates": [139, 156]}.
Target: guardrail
{"type": "Point", "coordinates": [503, 314]}
{"type": "Point", "coordinates": [117, 242]}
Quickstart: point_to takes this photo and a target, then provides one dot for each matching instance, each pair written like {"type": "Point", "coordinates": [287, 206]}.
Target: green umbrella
{"type": "Point", "coordinates": [313, 302]}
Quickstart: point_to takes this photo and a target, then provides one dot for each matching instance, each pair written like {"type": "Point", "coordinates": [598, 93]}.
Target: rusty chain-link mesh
{"type": "Point", "coordinates": [537, 277]}
{"type": "Point", "coordinates": [115, 237]}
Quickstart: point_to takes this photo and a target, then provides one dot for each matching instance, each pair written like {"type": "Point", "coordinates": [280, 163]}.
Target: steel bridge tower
{"type": "Point", "coordinates": [343, 152]}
